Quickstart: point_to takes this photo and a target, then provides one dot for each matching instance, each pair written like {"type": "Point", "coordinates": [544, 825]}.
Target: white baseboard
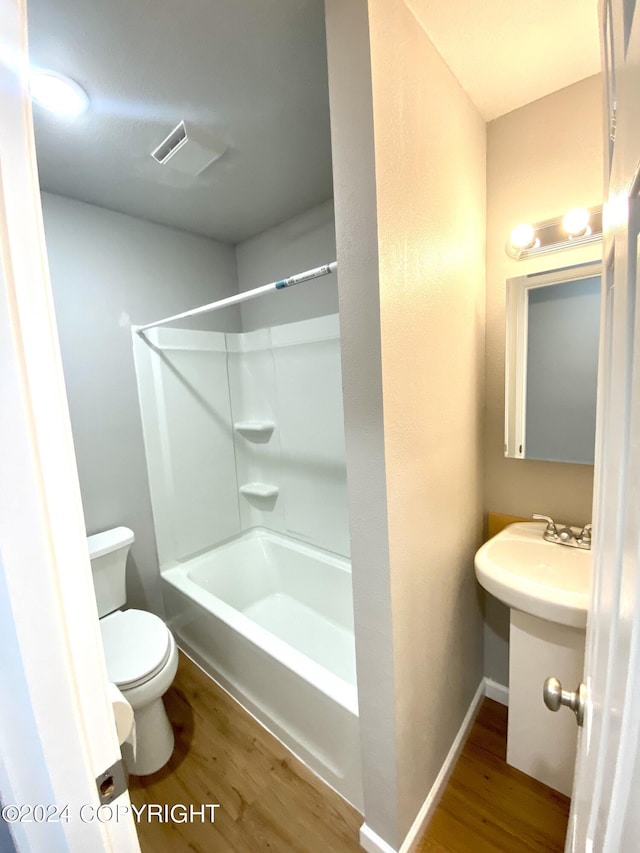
{"type": "Point", "coordinates": [414, 836]}
{"type": "Point", "coordinates": [371, 841]}
{"type": "Point", "coordinates": [495, 690]}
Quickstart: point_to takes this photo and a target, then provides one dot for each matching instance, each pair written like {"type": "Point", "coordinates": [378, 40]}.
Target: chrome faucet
{"type": "Point", "coordinates": [584, 537]}
{"type": "Point", "coordinates": [550, 531]}
{"type": "Point", "coordinates": [566, 535]}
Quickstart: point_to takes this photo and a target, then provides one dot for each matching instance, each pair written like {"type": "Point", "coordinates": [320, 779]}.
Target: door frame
{"type": "Point", "coordinates": [57, 730]}
{"type": "Point", "coordinates": [605, 806]}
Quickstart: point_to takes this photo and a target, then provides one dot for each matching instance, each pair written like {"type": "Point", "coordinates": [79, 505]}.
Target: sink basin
{"type": "Point", "coordinates": [541, 578]}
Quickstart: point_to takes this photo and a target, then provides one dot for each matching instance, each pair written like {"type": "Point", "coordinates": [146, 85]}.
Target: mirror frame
{"type": "Point", "coordinates": [516, 346]}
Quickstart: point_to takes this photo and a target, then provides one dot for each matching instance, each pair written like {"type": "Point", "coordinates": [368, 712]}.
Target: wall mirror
{"type": "Point", "coordinates": [552, 336]}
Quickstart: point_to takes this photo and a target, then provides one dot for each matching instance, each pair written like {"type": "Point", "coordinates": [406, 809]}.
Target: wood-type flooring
{"type": "Point", "coordinates": [269, 801]}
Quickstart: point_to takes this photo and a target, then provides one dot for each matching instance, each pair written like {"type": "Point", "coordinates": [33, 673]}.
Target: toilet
{"type": "Point", "coordinates": [140, 651]}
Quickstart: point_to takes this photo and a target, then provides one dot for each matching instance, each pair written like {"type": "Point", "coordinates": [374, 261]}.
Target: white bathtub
{"type": "Point", "coordinates": [271, 620]}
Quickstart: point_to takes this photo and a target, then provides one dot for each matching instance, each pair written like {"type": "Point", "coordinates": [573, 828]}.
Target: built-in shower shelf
{"type": "Point", "coordinates": [259, 490]}
{"type": "Point", "coordinates": [254, 429]}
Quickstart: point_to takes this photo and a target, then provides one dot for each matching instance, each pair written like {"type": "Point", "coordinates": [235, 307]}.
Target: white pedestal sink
{"type": "Point", "coordinates": [546, 585]}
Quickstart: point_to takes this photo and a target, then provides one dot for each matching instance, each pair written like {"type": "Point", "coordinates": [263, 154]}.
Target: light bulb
{"type": "Point", "coordinates": [523, 236]}
{"type": "Point", "coordinates": [576, 222]}
{"type": "Point", "coordinates": [58, 94]}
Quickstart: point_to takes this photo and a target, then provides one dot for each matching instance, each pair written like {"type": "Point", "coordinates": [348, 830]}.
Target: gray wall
{"type": "Point", "coordinates": [306, 241]}
{"type": "Point", "coordinates": [108, 271]}
{"type": "Point", "coordinates": [357, 238]}
{"type": "Point", "coordinates": [412, 318]}
{"type": "Point", "coordinates": [430, 152]}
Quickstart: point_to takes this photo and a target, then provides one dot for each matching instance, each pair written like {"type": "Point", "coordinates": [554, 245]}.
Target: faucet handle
{"type": "Point", "coordinates": [585, 535]}
{"type": "Point", "coordinates": [551, 529]}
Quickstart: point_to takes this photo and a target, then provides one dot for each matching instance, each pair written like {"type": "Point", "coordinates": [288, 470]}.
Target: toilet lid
{"type": "Point", "coordinates": [136, 644]}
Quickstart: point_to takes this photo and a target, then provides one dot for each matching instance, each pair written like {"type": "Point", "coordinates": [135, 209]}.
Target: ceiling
{"type": "Point", "coordinates": [253, 73]}
{"type": "Point", "coordinates": [507, 53]}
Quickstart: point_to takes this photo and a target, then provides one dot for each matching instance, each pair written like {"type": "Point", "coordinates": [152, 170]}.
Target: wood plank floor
{"type": "Point", "coordinates": [269, 801]}
{"type": "Point", "coordinates": [490, 807]}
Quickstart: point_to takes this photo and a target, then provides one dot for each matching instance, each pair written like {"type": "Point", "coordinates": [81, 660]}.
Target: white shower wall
{"type": "Point", "coordinates": [194, 386]}
{"type": "Point", "coordinates": [252, 388]}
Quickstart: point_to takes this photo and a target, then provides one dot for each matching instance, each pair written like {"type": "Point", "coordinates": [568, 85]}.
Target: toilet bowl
{"type": "Point", "coordinates": [140, 652]}
{"type": "Point", "coordinates": [142, 658]}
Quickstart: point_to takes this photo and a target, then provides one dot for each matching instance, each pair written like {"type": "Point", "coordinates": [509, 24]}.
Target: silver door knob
{"type": "Point", "coordinates": [554, 697]}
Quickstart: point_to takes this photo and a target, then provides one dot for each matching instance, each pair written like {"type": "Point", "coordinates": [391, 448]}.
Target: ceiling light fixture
{"type": "Point", "coordinates": [58, 94]}
{"type": "Point", "coordinates": [576, 222]}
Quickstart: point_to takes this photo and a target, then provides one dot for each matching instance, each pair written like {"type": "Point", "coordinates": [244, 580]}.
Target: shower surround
{"type": "Point", "coordinates": [245, 452]}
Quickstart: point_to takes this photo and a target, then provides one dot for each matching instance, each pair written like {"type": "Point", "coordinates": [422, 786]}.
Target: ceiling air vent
{"type": "Point", "coordinates": [188, 150]}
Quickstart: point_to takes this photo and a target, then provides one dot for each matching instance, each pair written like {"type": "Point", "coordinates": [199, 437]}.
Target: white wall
{"type": "Point", "coordinates": [541, 160]}
{"type": "Point", "coordinates": [291, 374]}
{"type": "Point", "coordinates": [195, 386]}
{"type": "Point", "coordinates": [425, 201]}
{"type": "Point", "coordinates": [304, 242]}
{"type": "Point", "coordinates": [188, 439]}
{"type": "Point", "coordinates": [108, 271]}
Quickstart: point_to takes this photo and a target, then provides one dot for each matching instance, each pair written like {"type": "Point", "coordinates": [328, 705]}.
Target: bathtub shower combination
{"type": "Point", "coordinates": [245, 451]}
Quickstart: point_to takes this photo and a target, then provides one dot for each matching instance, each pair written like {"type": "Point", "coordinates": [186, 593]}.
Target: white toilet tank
{"type": "Point", "coordinates": [108, 553]}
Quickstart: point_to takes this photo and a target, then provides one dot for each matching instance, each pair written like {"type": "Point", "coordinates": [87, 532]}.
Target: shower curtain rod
{"type": "Point", "coordinates": [301, 277]}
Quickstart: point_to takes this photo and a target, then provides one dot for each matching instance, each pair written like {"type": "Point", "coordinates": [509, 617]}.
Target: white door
{"type": "Point", "coordinates": [605, 813]}
{"type": "Point", "coordinates": [57, 732]}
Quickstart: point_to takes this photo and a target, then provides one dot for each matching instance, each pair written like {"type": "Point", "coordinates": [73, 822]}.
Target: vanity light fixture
{"type": "Point", "coordinates": [577, 227]}
{"type": "Point", "coordinates": [576, 222]}
{"type": "Point", "coordinates": [58, 94]}
{"type": "Point", "coordinates": [523, 236]}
